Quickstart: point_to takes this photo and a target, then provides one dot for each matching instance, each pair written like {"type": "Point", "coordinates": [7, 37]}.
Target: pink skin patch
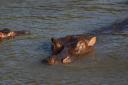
{"type": "Point", "coordinates": [66, 60]}
{"type": "Point", "coordinates": [11, 34]}
{"type": "Point", "coordinates": [2, 35]}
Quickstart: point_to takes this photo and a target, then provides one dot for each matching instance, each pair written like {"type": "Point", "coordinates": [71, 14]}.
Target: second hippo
{"type": "Point", "coordinates": [7, 33]}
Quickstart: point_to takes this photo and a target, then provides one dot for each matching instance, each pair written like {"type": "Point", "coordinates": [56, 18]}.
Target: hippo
{"type": "Point", "coordinates": [67, 48]}
{"type": "Point", "coordinates": [7, 33]}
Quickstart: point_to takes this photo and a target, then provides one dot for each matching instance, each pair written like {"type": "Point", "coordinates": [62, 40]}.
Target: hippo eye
{"type": "Point", "coordinates": [59, 44]}
{"type": "Point", "coordinates": [81, 45]}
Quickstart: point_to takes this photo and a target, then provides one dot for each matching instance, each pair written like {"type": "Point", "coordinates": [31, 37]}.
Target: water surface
{"type": "Point", "coordinates": [20, 59]}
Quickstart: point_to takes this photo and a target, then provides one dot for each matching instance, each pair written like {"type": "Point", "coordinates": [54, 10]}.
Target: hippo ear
{"type": "Point", "coordinates": [53, 40]}
{"type": "Point", "coordinates": [92, 41]}
{"type": "Point", "coordinates": [80, 45]}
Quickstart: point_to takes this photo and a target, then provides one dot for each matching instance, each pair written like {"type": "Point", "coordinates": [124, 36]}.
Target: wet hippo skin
{"type": "Point", "coordinates": [66, 48]}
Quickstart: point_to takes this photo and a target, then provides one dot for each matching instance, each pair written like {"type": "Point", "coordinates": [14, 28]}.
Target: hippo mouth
{"type": "Point", "coordinates": [56, 60]}
{"type": "Point", "coordinates": [51, 60]}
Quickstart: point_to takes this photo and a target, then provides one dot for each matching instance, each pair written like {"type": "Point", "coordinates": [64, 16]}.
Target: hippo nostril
{"type": "Point", "coordinates": [52, 60]}
{"type": "Point", "coordinates": [66, 60]}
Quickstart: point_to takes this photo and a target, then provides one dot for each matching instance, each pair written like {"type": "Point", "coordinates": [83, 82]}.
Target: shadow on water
{"type": "Point", "coordinates": [45, 47]}
{"type": "Point", "coordinates": [119, 27]}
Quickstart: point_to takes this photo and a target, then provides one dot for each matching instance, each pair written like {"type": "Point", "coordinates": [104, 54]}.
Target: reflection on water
{"type": "Point", "coordinates": [20, 58]}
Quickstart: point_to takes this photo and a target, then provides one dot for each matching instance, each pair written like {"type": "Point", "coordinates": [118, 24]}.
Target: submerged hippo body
{"type": "Point", "coordinates": [7, 33]}
{"type": "Point", "coordinates": [66, 48]}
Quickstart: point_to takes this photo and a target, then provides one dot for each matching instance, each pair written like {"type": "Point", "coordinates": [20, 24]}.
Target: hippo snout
{"type": "Point", "coordinates": [57, 60]}
{"type": "Point", "coordinates": [53, 60]}
{"type": "Point", "coordinates": [67, 60]}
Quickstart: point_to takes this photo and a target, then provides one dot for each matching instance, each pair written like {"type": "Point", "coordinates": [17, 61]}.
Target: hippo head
{"type": "Point", "coordinates": [65, 52]}
{"type": "Point", "coordinates": [7, 33]}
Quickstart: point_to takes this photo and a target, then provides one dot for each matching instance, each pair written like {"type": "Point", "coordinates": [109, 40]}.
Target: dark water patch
{"type": "Point", "coordinates": [103, 8]}
{"type": "Point", "coordinates": [45, 47]}
{"type": "Point", "coordinates": [1, 65]}
{"type": "Point", "coordinates": [116, 27]}
{"type": "Point", "coordinates": [63, 17]}
{"type": "Point", "coordinates": [125, 2]}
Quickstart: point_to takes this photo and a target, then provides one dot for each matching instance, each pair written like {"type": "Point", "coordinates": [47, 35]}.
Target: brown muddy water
{"type": "Point", "coordinates": [20, 59]}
